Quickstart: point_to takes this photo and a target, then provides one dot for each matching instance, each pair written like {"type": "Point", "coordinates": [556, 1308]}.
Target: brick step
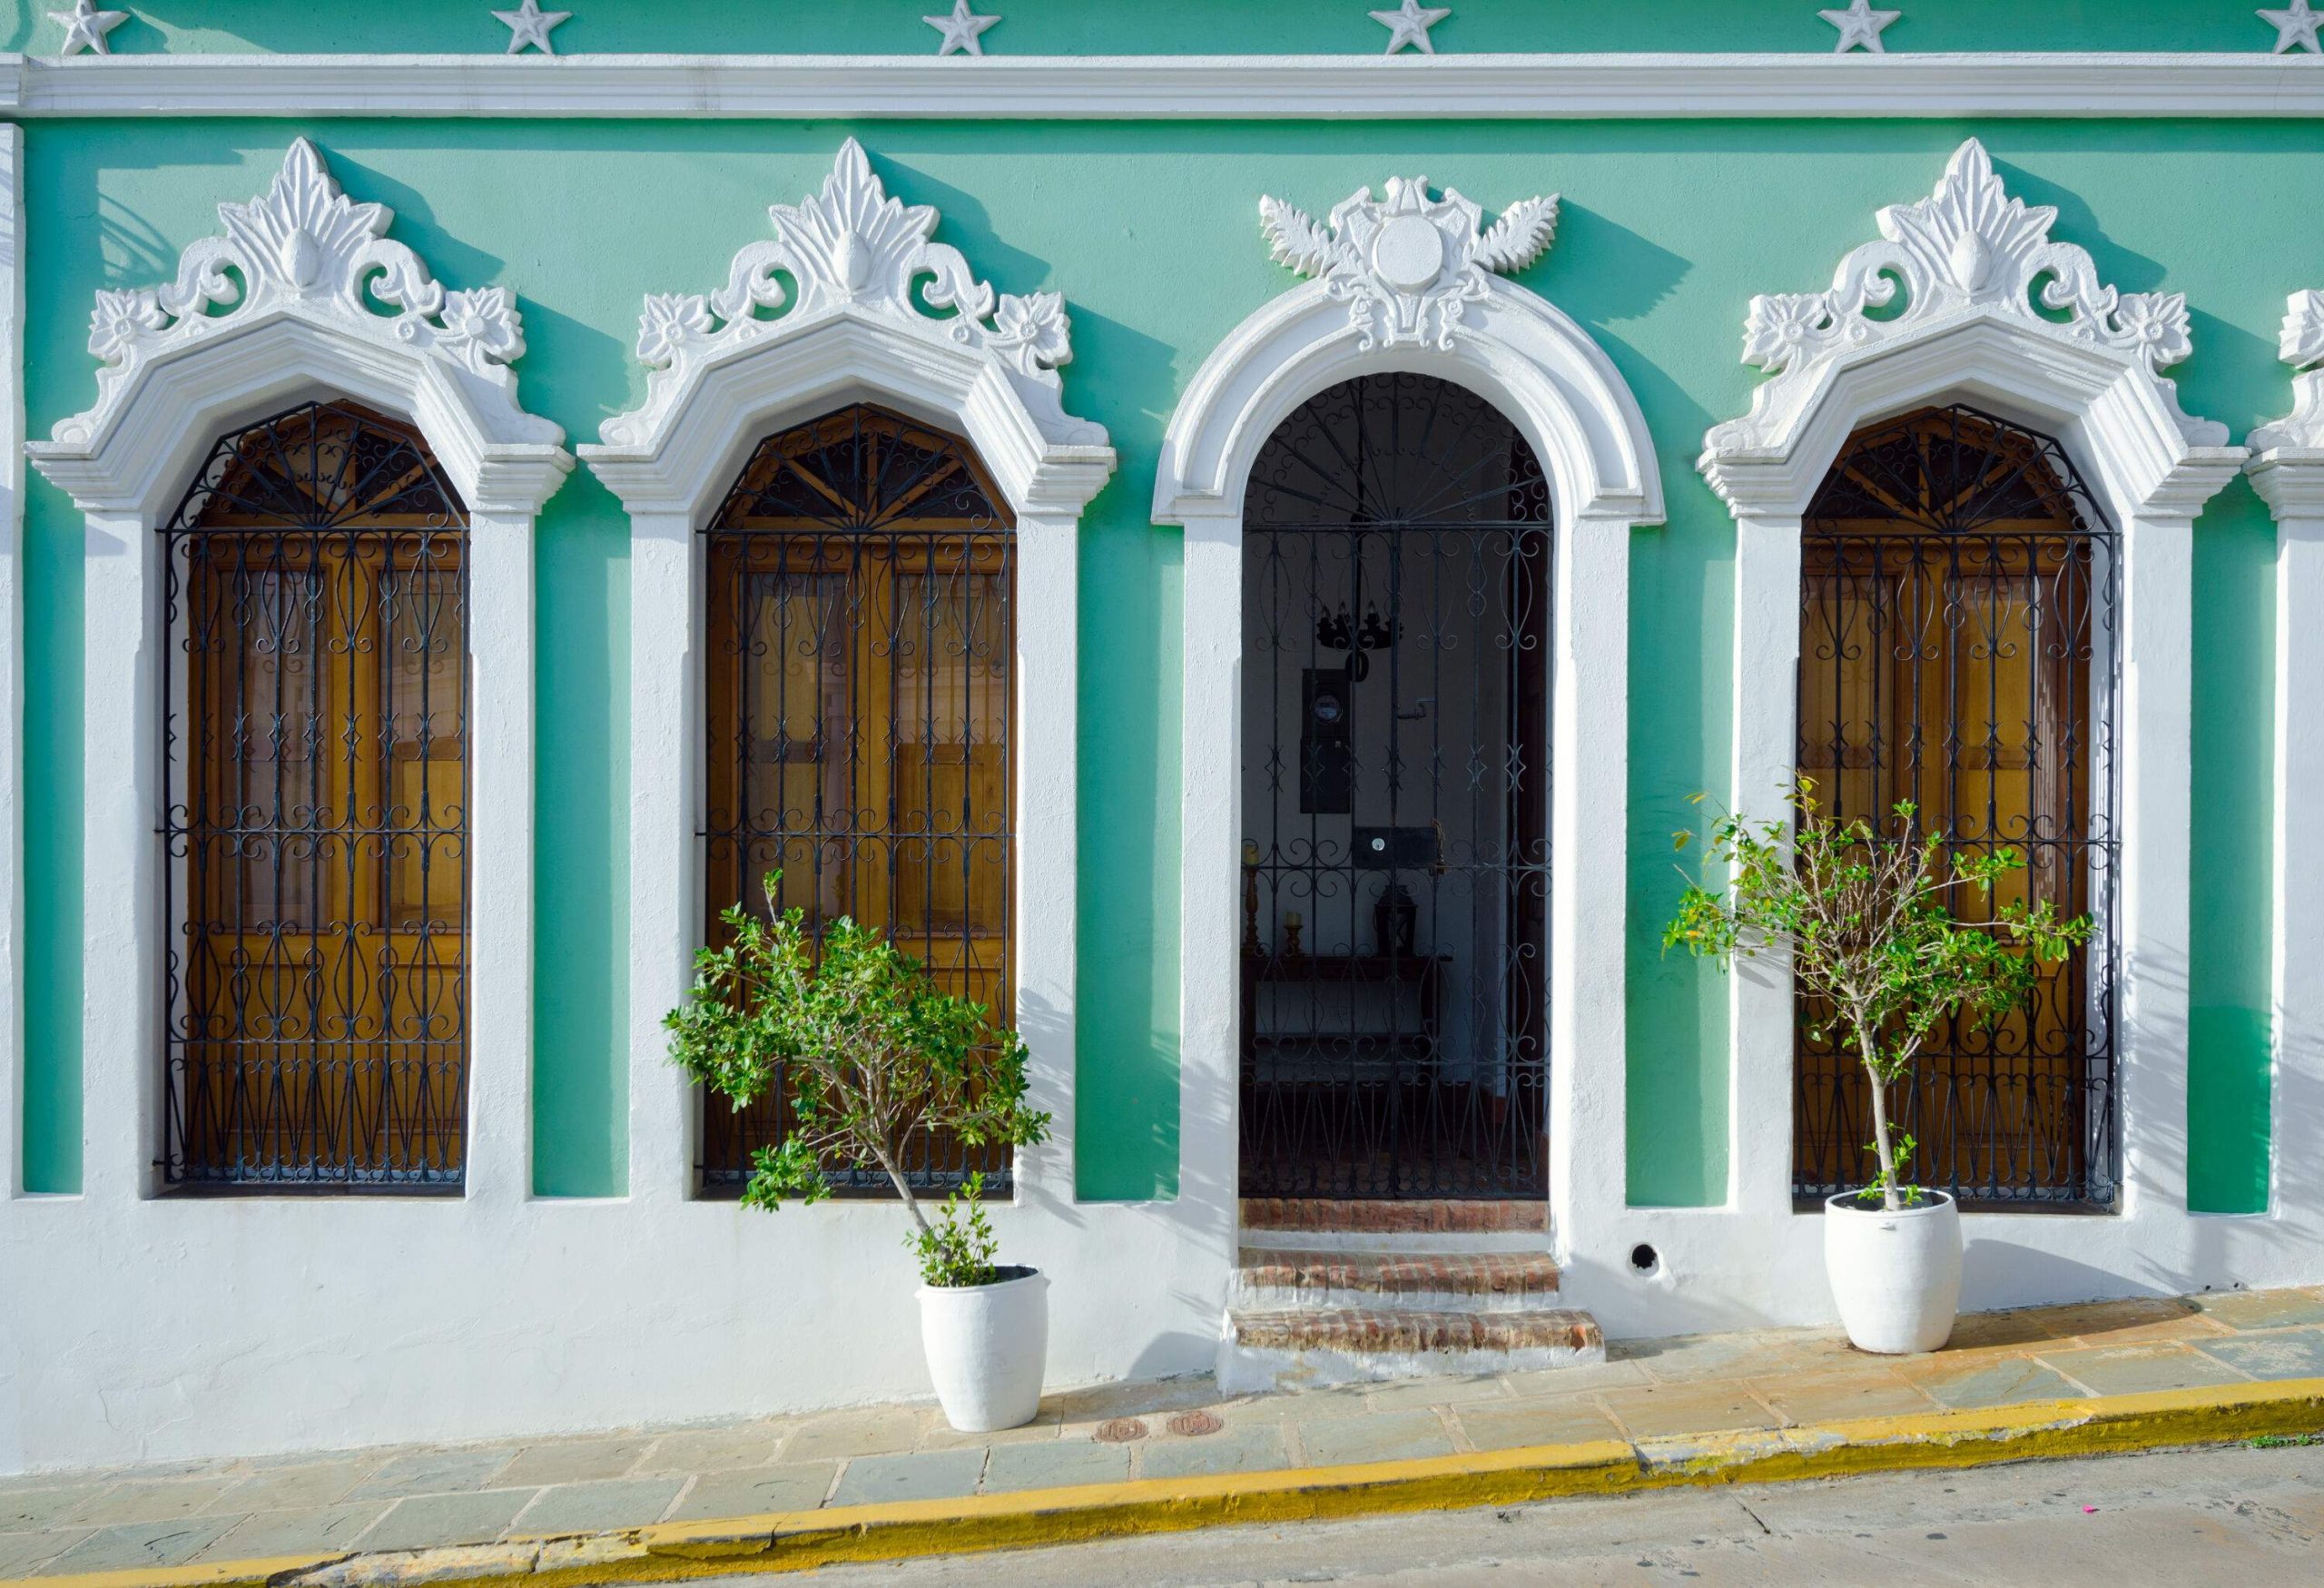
{"type": "Point", "coordinates": [1420, 1227]}
{"type": "Point", "coordinates": [1440, 1214]}
{"type": "Point", "coordinates": [1269, 1278]}
{"type": "Point", "coordinates": [1304, 1348]}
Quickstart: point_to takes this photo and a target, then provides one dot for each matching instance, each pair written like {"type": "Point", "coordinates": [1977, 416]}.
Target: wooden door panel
{"type": "Point", "coordinates": [858, 683]}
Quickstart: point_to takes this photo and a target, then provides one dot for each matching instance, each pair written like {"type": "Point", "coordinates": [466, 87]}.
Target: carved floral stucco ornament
{"type": "Point", "coordinates": [2302, 347]}
{"type": "Point", "coordinates": [1968, 248]}
{"type": "Point", "coordinates": [1408, 267]}
{"type": "Point", "coordinates": [304, 248]}
{"type": "Point", "coordinates": [850, 248]}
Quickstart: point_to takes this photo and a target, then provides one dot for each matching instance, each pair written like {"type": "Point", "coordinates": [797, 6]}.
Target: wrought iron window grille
{"type": "Point", "coordinates": [1959, 648]}
{"type": "Point", "coordinates": [861, 674]}
{"type": "Point", "coordinates": [314, 824]}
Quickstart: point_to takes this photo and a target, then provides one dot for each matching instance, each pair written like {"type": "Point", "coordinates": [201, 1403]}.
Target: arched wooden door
{"type": "Point", "coordinates": [1958, 650]}
{"type": "Point", "coordinates": [315, 737]}
{"type": "Point", "coordinates": [859, 683]}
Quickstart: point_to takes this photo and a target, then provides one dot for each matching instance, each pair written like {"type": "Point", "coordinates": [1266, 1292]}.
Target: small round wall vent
{"type": "Point", "coordinates": [1644, 1258]}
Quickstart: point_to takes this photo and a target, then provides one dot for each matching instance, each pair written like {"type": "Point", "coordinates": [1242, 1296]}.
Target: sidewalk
{"type": "Point", "coordinates": [1123, 1458]}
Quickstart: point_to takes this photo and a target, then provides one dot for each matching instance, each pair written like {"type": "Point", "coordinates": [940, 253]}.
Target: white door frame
{"type": "Point", "coordinates": [1408, 285]}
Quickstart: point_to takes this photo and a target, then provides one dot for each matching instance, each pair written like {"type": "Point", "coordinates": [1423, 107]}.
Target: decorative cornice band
{"type": "Point", "coordinates": [1117, 87]}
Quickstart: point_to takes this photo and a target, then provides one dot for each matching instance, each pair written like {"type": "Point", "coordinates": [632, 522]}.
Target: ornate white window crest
{"type": "Point", "coordinates": [1407, 268]}
{"type": "Point", "coordinates": [2302, 347]}
{"type": "Point", "coordinates": [850, 249]}
{"type": "Point", "coordinates": [1967, 249]}
{"type": "Point", "coordinates": [307, 249]}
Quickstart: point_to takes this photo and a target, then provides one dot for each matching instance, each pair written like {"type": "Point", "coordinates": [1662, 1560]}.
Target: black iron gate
{"type": "Point", "coordinates": [1395, 800]}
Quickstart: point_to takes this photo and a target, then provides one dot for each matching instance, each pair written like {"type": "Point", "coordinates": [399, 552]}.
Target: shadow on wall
{"type": "Point", "coordinates": [1600, 264]}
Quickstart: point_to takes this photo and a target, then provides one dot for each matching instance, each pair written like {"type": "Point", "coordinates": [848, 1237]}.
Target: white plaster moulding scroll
{"type": "Point", "coordinates": [1241, 87]}
{"type": "Point", "coordinates": [862, 324]}
{"type": "Point", "coordinates": [2299, 435]}
{"type": "Point", "coordinates": [326, 304]}
{"type": "Point", "coordinates": [1970, 261]}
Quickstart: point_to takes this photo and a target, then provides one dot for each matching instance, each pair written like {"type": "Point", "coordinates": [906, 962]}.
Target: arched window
{"type": "Point", "coordinates": [1960, 593]}
{"type": "Point", "coordinates": [858, 680]}
{"type": "Point", "coordinates": [315, 742]}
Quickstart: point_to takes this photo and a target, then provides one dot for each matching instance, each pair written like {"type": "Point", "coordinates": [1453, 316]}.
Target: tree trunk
{"type": "Point", "coordinates": [1893, 1200]}
{"type": "Point", "coordinates": [904, 1189]}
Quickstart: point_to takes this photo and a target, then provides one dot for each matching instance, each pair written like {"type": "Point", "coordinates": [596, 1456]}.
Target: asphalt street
{"type": "Point", "coordinates": [2249, 1517]}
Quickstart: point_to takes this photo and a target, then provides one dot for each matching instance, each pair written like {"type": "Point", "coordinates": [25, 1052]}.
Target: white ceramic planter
{"type": "Point", "coordinates": [987, 1344]}
{"type": "Point", "coordinates": [1897, 1277]}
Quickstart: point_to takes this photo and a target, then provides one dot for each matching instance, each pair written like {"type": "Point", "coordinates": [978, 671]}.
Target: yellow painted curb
{"type": "Point", "coordinates": [793, 1541]}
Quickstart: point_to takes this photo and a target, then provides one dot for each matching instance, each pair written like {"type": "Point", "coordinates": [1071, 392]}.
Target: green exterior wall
{"type": "Point", "coordinates": [1151, 233]}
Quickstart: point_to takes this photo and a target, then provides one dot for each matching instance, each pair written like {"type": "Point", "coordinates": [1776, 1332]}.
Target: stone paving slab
{"type": "Point", "coordinates": [1745, 1386]}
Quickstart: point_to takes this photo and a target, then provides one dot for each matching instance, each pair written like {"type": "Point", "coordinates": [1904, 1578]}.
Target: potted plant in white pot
{"type": "Point", "coordinates": [871, 1053]}
{"type": "Point", "coordinates": [1873, 926]}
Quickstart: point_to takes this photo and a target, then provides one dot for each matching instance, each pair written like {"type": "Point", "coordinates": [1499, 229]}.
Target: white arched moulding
{"type": "Point", "coordinates": [1976, 269]}
{"type": "Point", "coordinates": [862, 327]}
{"type": "Point", "coordinates": [1411, 284]}
{"type": "Point", "coordinates": [303, 298]}
{"type": "Point", "coordinates": [2287, 470]}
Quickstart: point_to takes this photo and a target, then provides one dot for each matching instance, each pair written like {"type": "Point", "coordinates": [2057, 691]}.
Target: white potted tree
{"type": "Point", "coordinates": [1872, 927]}
{"type": "Point", "coordinates": [871, 1053]}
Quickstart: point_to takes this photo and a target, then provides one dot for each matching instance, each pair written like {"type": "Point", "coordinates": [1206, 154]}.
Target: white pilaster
{"type": "Point", "coordinates": [1590, 791]}
{"type": "Point", "coordinates": [2296, 957]}
{"type": "Point", "coordinates": [121, 1012]}
{"type": "Point", "coordinates": [2287, 470]}
{"type": "Point", "coordinates": [12, 659]}
{"type": "Point", "coordinates": [666, 860]}
{"type": "Point", "coordinates": [1210, 714]}
{"type": "Point", "coordinates": [500, 750]}
{"type": "Point", "coordinates": [1766, 761]}
{"type": "Point", "coordinates": [2157, 784]}
{"type": "Point", "coordinates": [1047, 620]}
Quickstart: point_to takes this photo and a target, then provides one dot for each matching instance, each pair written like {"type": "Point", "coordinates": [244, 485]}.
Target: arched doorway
{"type": "Point", "coordinates": [1395, 799]}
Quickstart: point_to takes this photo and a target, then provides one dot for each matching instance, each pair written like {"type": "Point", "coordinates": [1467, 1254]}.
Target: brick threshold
{"type": "Point", "coordinates": [1352, 1217]}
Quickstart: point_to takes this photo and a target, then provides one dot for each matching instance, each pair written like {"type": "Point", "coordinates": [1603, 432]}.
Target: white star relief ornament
{"type": "Point", "coordinates": [85, 27]}
{"type": "Point", "coordinates": [529, 25]}
{"type": "Point", "coordinates": [1860, 25]}
{"type": "Point", "coordinates": [2296, 26]}
{"type": "Point", "coordinates": [961, 30]}
{"type": "Point", "coordinates": [1409, 26]}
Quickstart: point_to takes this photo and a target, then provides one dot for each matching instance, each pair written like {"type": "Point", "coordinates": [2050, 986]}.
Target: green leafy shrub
{"type": "Point", "coordinates": [1871, 925]}
{"type": "Point", "coordinates": [959, 1249]}
{"type": "Point", "coordinates": [872, 1052]}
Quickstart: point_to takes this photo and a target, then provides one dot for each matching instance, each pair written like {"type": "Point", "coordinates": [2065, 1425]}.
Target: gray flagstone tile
{"type": "Point", "coordinates": [135, 1544]}
{"type": "Point", "coordinates": [754, 1491]}
{"type": "Point", "coordinates": [593, 1507]}
{"type": "Point", "coordinates": [433, 1519]}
